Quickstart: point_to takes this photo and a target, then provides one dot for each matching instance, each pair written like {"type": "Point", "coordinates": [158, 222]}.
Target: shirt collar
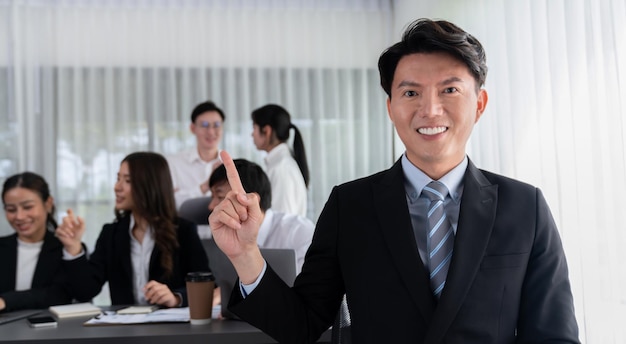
{"type": "Point", "coordinates": [192, 156]}
{"type": "Point", "coordinates": [132, 224]}
{"type": "Point", "coordinates": [277, 153]}
{"type": "Point", "coordinates": [416, 180]}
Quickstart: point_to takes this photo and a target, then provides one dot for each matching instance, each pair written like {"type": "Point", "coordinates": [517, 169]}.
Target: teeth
{"type": "Point", "coordinates": [432, 131]}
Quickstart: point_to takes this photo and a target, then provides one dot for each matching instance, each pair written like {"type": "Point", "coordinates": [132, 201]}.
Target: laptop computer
{"type": "Point", "coordinates": [196, 210]}
{"type": "Point", "coordinates": [17, 315]}
{"type": "Point", "coordinates": [282, 261]}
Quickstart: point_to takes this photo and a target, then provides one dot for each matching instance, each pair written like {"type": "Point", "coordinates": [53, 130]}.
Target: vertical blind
{"type": "Point", "coordinates": [84, 83]}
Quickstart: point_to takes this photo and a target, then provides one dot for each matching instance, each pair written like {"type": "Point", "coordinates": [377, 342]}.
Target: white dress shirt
{"type": "Point", "coordinates": [140, 254]}
{"type": "Point", "coordinates": [281, 230]}
{"type": "Point", "coordinates": [188, 172]}
{"type": "Point", "coordinates": [289, 193]}
{"type": "Point", "coordinates": [27, 257]}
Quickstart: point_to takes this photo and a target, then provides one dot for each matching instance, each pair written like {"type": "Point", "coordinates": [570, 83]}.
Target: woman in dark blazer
{"type": "Point", "coordinates": [31, 273]}
{"type": "Point", "coordinates": [147, 251]}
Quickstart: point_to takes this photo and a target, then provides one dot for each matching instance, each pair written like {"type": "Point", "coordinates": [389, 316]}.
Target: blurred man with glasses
{"type": "Point", "coordinates": [192, 168]}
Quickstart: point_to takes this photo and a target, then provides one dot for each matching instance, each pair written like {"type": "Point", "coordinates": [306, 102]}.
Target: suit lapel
{"type": "Point", "coordinates": [395, 223]}
{"type": "Point", "coordinates": [123, 231]}
{"type": "Point", "coordinates": [8, 256]}
{"type": "Point", "coordinates": [155, 271]}
{"type": "Point", "coordinates": [476, 219]}
{"type": "Point", "coordinates": [46, 257]}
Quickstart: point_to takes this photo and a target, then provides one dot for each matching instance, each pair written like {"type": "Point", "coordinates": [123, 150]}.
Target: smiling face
{"type": "Point", "coordinates": [123, 194]}
{"type": "Point", "coordinates": [27, 213]}
{"type": "Point", "coordinates": [208, 130]}
{"type": "Point", "coordinates": [434, 105]}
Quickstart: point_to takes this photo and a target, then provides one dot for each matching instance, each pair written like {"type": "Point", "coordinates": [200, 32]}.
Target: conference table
{"type": "Point", "coordinates": [72, 330]}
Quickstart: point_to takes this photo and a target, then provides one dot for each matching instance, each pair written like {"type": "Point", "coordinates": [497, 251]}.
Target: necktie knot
{"type": "Point", "coordinates": [435, 191]}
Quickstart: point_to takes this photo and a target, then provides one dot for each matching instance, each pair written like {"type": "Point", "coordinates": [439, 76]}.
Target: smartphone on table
{"type": "Point", "coordinates": [42, 321]}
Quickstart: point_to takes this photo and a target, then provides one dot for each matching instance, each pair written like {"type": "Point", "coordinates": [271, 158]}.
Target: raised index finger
{"type": "Point", "coordinates": [231, 173]}
{"type": "Point", "coordinates": [69, 218]}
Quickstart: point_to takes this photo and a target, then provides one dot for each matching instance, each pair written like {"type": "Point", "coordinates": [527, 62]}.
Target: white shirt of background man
{"type": "Point", "coordinates": [281, 230]}
{"type": "Point", "coordinates": [188, 172]}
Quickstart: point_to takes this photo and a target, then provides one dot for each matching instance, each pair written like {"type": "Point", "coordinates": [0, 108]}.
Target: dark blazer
{"type": "Point", "coordinates": [111, 262]}
{"type": "Point", "coordinates": [507, 283]}
{"type": "Point", "coordinates": [48, 287]}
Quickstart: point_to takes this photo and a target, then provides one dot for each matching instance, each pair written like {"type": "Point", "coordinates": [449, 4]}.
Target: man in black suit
{"type": "Point", "coordinates": [507, 277]}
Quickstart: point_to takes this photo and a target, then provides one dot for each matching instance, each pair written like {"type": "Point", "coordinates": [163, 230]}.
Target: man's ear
{"type": "Point", "coordinates": [481, 103]}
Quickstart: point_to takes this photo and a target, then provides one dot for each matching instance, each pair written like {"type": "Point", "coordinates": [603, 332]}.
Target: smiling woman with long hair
{"type": "Point", "coordinates": [147, 252]}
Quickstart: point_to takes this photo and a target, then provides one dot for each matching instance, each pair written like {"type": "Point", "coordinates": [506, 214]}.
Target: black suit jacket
{"type": "Point", "coordinates": [111, 262]}
{"type": "Point", "coordinates": [48, 287]}
{"type": "Point", "coordinates": [507, 283]}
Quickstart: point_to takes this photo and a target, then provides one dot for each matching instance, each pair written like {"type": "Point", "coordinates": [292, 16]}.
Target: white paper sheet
{"type": "Point", "coordinates": [158, 316]}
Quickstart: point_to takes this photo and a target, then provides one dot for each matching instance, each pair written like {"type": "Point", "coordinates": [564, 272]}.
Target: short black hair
{"type": "Point", "coordinates": [206, 107]}
{"type": "Point", "coordinates": [253, 179]}
{"type": "Point", "coordinates": [429, 36]}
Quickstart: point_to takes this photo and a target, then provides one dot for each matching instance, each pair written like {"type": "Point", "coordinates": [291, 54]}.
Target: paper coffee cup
{"type": "Point", "coordinates": [200, 287]}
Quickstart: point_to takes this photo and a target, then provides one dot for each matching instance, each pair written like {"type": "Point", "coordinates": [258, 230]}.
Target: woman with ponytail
{"type": "Point", "coordinates": [31, 273]}
{"type": "Point", "coordinates": [287, 170]}
{"type": "Point", "coordinates": [146, 253]}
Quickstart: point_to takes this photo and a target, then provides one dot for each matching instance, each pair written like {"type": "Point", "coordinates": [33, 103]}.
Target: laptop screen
{"type": "Point", "coordinates": [282, 261]}
{"type": "Point", "coordinates": [196, 210]}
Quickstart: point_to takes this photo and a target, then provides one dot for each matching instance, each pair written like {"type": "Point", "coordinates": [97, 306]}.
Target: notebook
{"type": "Point", "coordinates": [75, 310]}
{"type": "Point", "coordinates": [17, 315]}
{"type": "Point", "coordinates": [282, 261]}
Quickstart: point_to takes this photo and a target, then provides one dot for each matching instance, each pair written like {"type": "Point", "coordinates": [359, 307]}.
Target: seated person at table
{"type": "Point", "coordinates": [278, 230]}
{"type": "Point", "coordinates": [31, 273]}
{"type": "Point", "coordinates": [147, 251]}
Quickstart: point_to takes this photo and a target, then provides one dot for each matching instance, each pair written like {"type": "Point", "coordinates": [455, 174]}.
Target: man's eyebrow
{"type": "Point", "coordinates": [447, 81]}
{"type": "Point", "coordinates": [451, 80]}
{"type": "Point", "coordinates": [404, 83]}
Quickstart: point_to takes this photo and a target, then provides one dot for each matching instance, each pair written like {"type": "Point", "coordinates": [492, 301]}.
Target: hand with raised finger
{"type": "Point", "coordinates": [70, 233]}
{"type": "Point", "coordinates": [235, 225]}
{"type": "Point", "coordinates": [235, 221]}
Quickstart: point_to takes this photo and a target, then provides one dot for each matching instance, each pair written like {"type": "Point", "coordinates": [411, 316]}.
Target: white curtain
{"type": "Point", "coordinates": [556, 118]}
{"type": "Point", "coordinates": [84, 83]}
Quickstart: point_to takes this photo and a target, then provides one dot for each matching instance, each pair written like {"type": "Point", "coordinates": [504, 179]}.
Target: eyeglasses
{"type": "Point", "coordinates": [206, 125]}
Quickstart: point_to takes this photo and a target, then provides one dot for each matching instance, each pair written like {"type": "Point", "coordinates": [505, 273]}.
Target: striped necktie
{"type": "Point", "coordinates": [440, 240]}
